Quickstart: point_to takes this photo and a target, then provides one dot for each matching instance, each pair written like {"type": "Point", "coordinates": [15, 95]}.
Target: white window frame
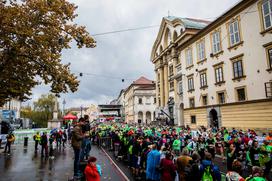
{"type": "Point", "coordinates": [216, 42]}
{"type": "Point", "coordinates": [203, 79]}
{"type": "Point", "coordinates": [180, 87]}
{"type": "Point", "coordinates": [201, 50]}
{"type": "Point", "coordinates": [238, 70]}
{"type": "Point", "coordinates": [189, 57]}
{"type": "Point", "coordinates": [268, 14]}
{"type": "Point", "coordinates": [190, 83]}
{"type": "Point", "coordinates": [234, 33]}
{"type": "Point", "coordinates": [219, 77]}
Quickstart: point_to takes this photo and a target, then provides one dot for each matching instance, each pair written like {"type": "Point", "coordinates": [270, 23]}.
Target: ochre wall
{"type": "Point", "coordinates": [250, 115]}
{"type": "Point", "coordinates": [201, 117]}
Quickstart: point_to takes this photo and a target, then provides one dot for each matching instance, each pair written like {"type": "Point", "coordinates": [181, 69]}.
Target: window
{"type": "Point", "coordinates": [234, 34]}
{"type": "Point", "coordinates": [189, 57]}
{"type": "Point", "coordinates": [172, 85]}
{"type": "Point", "coordinates": [154, 100]}
{"type": "Point", "coordinates": [216, 45]}
{"type": "Point", "coordinates": [203, 80]}
{"type": "Point", "coordinates": [204, 100]}
{"type": "Point", "coordinates": [267, 13]}
{"type": "Point", "coordinates": [241, 95]}
{"type": "Point", "coordinates": [140, 101]}
{"type": "Point", "coordinates": [148, 102]}
{"type": "Point", "coordinates": [238, 69]}
{"type": "Point", "coordinates": [193, 119]}
{"type": "Point", "coordinates": [171, 70]}
{"type": "Point", "coordinates": [190, 84]}
{"type": "Point", "coordinates": [269, 51]}
{"type": "Point", "coordinates": [219, 74]}
{"type": "Point", "coordinates": [180, 88]}
{"type": "Point", "coordinates": [221, 97]}
{"type": "Point", "coordinates": [201, 50]}
{"type": "Point", "coordinates": [192, 102]}
{"type": "Point", "coordinates": [169, 37]}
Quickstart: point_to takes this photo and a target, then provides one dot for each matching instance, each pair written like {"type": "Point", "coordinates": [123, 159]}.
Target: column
{"type": "Point", "coordinates": [161, 87]}
{"type": "Point", "coordinates": [175, 60]}
{"type": "Point", "coordinates": [157, 88]}
{"type": "Point", "coordinates": [166, 83]}
{"type": "Point", "coordinates": [152, 116]}
{"type": "Point", "coordinates": [144, 118]}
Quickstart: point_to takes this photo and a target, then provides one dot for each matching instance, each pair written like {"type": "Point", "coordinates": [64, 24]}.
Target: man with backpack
{"type": "Point", "coordinates": [209, 171]}
{"type": "Point", "coordinates": [10, 139]}
{"type": "Point", "coordinates": [37, 139]}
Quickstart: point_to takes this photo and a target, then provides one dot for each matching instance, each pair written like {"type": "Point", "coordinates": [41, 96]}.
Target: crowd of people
{"type": "Point", "coordinates": [57, 138]}
{"type": "Point", "coordinates": [175, 153]}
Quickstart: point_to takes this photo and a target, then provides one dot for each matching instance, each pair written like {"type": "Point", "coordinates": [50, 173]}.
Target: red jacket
{"type": "Point", "coordinates": [91, 173]}
{"type": "Point", "coordinates": [168, 170]}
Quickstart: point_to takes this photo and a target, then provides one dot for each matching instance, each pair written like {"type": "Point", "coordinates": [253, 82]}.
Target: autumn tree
{"type": "Point", "coordinates": [42, 110]}
{"type": "Point", "coordinates": [33, 34]}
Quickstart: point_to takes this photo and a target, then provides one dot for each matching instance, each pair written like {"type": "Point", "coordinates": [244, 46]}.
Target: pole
{"type": "Point", "coordinates": [81, 111]}
{"type": "Point", "coordinates": [64, 102]}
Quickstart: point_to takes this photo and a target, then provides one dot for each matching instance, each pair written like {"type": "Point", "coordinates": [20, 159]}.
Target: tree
{"type": "Point", "coordinates": [42, 111]}
{"type": "Point", "coordinates": [33, 34]}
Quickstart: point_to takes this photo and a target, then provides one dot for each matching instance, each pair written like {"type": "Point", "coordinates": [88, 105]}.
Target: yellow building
{"type": "Point", "coordinates": [217, 73]}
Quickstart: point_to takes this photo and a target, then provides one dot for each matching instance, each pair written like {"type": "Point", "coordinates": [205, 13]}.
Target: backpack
{"type": "Point", "coordinates": [207, 174]}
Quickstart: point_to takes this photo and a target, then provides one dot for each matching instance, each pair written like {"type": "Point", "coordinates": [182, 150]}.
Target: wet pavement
{"type": "Point", "coordinates": [24, 165]}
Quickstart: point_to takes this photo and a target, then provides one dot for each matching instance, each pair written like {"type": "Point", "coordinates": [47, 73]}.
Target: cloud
{"type": "Point", "coordinates": [127, 54]}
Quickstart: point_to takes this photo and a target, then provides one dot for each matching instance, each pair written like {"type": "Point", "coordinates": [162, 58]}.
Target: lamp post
{"type": "Point", "coordinates": [81, 111]}
{"type": "Point", "coordinates": [63, 106]}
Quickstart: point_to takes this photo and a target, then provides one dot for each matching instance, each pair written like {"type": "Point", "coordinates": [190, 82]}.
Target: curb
{"type": "Point", "coordinates": [121, 172]}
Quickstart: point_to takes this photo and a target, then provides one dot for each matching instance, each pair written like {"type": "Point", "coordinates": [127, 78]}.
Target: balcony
{"type": "Point", "coordinates": [179, 71]}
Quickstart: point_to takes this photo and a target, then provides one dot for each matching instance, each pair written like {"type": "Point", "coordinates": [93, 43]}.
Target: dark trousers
{"type": "Point", "coordinates": [44, 149]}
{"type": "Point", "coordinates": [267, 169]}
{"type": "Point", "coordinates": [36, 145]}
{"type": "Point", "coordinates": [7, 146]}
{"type": "Point", "coordinates": [76, 161]}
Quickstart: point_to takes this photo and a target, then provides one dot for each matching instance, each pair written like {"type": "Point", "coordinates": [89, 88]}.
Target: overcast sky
{"type": "Point", "coordinates": [127, 54]}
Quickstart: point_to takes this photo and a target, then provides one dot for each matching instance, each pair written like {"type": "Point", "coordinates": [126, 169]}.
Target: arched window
{"type": "Point", "coordinates": [167, 38]}
{"type": "Point", "coordinates": [175, 35]}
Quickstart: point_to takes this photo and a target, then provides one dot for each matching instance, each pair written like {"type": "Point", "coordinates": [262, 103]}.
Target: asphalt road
{"type": "Point", "coordinates": [24, 165]}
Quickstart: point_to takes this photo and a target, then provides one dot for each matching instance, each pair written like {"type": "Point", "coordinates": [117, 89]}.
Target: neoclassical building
{"type": "Point", "coordinates": [217, 73]}
{"type": "Point", "coordinates": [139, 101]}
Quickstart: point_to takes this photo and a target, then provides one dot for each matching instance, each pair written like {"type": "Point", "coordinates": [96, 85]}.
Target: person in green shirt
{"type": "Point", "coordinates": [176, 146]}
{"type": "Point", "coordinates": [265, 158]}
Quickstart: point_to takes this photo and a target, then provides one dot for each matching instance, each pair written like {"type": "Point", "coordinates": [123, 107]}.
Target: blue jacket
{"type": "Point", "coordinates": [216, 172]}
{"type": "Point", "coordinates": [153, 162]}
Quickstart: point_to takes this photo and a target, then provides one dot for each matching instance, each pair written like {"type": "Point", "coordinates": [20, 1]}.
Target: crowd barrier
{"type": "Point", "coordinates": [105, 142]}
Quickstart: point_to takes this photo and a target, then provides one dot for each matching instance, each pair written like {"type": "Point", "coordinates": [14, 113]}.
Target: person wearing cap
{"type": "Point", "coordinates": [92, 171]}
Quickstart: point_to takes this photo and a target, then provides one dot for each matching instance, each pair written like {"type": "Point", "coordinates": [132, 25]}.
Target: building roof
{"type": "Point", "coordinates": [190, 22]}
{"type": "Point", "coordinates": [143, 80]}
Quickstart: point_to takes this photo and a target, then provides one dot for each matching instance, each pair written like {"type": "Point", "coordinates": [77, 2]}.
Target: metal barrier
{"type": "Point", "coordinates": [105, 142]}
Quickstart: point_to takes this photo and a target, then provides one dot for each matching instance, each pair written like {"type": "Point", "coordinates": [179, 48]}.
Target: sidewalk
{"type": "Point", "coordinates": [24, 165]}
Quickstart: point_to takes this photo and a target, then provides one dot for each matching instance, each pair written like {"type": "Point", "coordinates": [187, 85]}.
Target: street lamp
{"type": "Point", "coordinates": [81, 111]}
{"type": "Point", "coordinates": [63, 103]}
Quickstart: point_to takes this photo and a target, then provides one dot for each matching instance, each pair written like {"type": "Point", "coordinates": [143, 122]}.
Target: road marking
{"type": "Point", "coordinates": [122, 173]}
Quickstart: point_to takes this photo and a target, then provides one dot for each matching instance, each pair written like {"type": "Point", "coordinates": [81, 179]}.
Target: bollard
{"type": "Point", "coordinates": [25, 141]}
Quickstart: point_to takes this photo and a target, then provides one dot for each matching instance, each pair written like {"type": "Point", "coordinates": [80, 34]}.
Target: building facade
{"type": "Point", "coordinates": [217, 73]}
{"type": "Point", "coordinates": [11, 109]}
{"type": "Point", "coordinates": [139, 101]}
